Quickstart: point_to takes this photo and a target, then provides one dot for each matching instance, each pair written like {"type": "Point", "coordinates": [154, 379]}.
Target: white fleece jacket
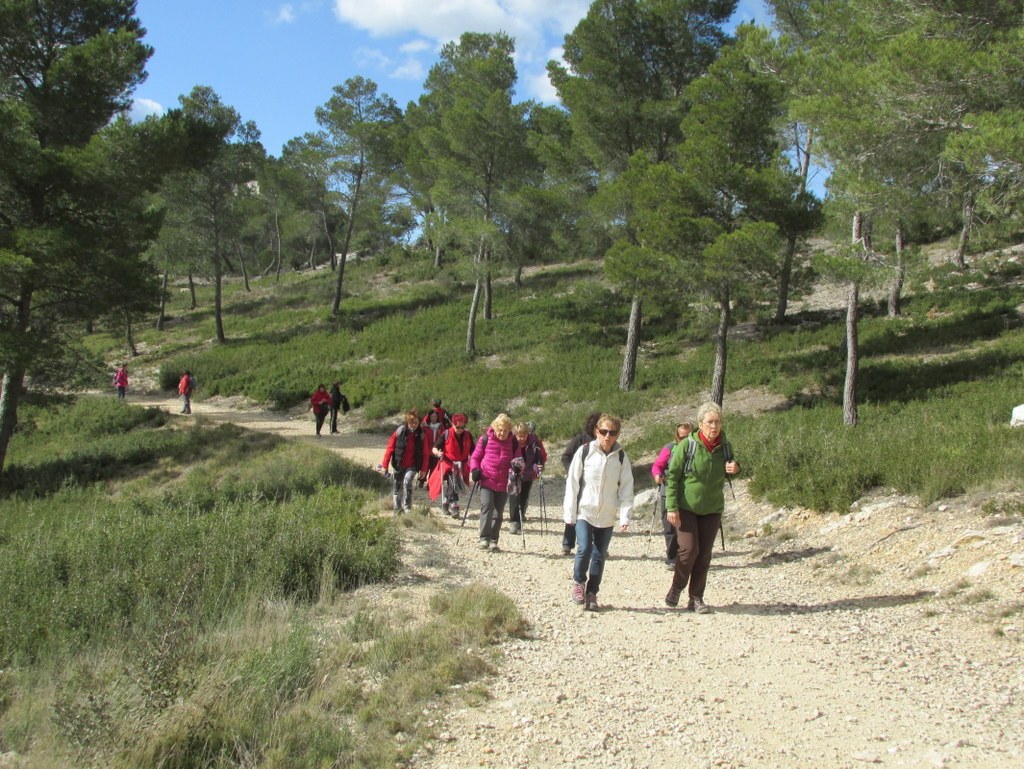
{"type": "Point", "coordinates": [607, 487]}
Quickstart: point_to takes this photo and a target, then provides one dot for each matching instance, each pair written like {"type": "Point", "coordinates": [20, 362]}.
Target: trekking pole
{"type": "Point", "coordinates": [654, 516]}
{"type": "Point", "coordinates": [543, 508]}
{"type": "Point", "coordinates": [727, 452]}
{"type": "Point", "coordinates": [465, 512]}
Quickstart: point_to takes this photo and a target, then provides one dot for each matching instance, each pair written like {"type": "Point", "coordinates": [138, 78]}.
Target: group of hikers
{"type": "Point", "coordinates": [186, 386]}
{"type": "Point", "coordinates": [690, 472]}
{"type": "Point", "coordinates": [324, 404]}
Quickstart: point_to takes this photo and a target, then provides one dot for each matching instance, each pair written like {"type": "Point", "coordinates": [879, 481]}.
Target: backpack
{"type": "Point", "coordinates": [691, 449]}
{"type": "Point", "coordinates": [344, 404]}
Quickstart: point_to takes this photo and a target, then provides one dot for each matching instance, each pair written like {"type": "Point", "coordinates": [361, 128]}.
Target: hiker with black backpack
{"type": "Point", "coordinates": [598, 489]}
{"type": "Point", "coordinates": [695, 498]}
{"type": "Point", "coordinates": [586, 436]}
{"type": "Point", "coordinates": [489, 467]}
{"type": "Point", "coordinates": [658, 470]}
{"type": "Point", "coordinates": [338, 403]}
{"type": "Point", "coordinates": [452, 448]}
{"type": "Point", "coordinates": [406, 457]}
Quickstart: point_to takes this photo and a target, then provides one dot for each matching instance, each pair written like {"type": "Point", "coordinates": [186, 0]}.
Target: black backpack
{"type": "Point", "coordinates": [344, 404]}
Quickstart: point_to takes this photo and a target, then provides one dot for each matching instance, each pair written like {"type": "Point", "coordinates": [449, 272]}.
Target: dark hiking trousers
{"type": "Point", "coordinates": [696, 537]}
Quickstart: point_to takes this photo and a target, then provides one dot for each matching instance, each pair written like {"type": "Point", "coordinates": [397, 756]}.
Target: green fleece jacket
{"type": "Point", "coordinates": [703, 490]}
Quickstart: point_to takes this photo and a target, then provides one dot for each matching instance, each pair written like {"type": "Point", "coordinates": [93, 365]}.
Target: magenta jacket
{"type": "Point", "coordinates": [661, 463]}
{"type": "Point", "coordinates": [493, 458]}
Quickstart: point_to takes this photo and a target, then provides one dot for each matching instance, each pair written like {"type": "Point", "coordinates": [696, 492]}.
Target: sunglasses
{"type": "Point", "coordinates": [609, 432]}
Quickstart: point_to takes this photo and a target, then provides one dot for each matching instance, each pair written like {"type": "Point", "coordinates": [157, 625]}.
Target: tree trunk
{"type": "Point", "coordinates": [785, 276]}
{"type": "Point", "coordinates": [218, 319]}
{"type": "Point", "coordinates": [471, 326]}
{"type": "Point", "coordinates": [129, 337]}
{"type": "Point", "coordinates": [488, 295]}
{"type": "Point", "coordinates": [850, 383]}
{"type": "Point", "coordinates": [162, 311]}
{"type": "Point", "coordinates": [245, 272]}
{"type": "Point", "coordinates": [437, 256]}
{"type": "Point", "coordinates": [330, 240]}
{"type": "Point", "coordinates": [517, 281]}
{"type": "Point", "coordinates": [627, 376]}
{"type": "Point", "coordinates": [10, 393]}
{"type": "Point", "coordinates": [192, 291]}
{"type": "Point", "coordinates": [803, 155]}
{"type": "Point", "coordinates": [896, 289]}
{"type": "Point", "coordinates": [336, 303]}
{"type": "Point", "coordinates": [721, 348]}
{"type": "Point", "coordinates": [960, 257]}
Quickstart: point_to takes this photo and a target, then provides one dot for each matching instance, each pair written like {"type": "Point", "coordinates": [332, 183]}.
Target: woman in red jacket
{"type": "Point", "coordinates": [452, 447]}
{"type": "Point", "coordinates": [320, 402]}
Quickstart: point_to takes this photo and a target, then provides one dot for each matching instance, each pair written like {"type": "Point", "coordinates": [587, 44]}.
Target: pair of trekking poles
{"type": "Point", "coordinates": [542, 502]}
{"type": "Point", "coordinates": [658, 506]}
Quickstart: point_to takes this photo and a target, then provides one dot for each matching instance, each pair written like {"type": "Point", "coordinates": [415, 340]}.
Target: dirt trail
{"type": "Point", "coordinates": [890, 636]}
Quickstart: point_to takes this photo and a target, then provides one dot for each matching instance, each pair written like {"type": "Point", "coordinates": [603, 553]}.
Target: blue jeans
{"type": "Point", "coordinates": [591, 551]}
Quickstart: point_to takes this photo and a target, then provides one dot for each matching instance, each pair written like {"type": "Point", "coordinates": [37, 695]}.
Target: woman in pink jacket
{"type": "Point", "coordinates": [658, 470]}
{"type": "Point", "coordinates": [489, 466]}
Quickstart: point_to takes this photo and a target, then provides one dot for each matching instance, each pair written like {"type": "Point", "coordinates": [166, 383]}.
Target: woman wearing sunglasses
{"type": "Point", "coordinates": [598, 489]}
{"type": "Point", "coordinates": [695, 500]}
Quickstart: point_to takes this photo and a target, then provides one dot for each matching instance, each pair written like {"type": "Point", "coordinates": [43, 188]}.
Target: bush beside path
{"type": "Point", "coordinates": [887, 636]}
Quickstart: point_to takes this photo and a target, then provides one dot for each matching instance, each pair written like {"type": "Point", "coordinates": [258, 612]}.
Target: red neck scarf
{"type": "Point", "coordinates": [709, 445]}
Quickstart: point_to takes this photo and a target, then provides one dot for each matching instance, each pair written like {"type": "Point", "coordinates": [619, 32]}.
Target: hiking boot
{"type": "Point", "coordinates": [577, 593]}
{"type": "Point", "coordinates": [483, 544]}
{"type": "Point", "coordinates": [408, 508]}
{"type": "Point", "coordinates": [697, 605]}
{"type": "Point", "coordinates": [566, 551]}
{"type": "Point", "coordinates": [445, 510]}
{"type": "Point", "coordinates": [672, 597]}
{"type": "Point", "coordinates": [670, 563]}
{"type": "Point", "coordinates": [590, 602]}
{"type": "Point", "coordinates": [515, 528]}
{"type": "Point", "coordinates": [494, 546]}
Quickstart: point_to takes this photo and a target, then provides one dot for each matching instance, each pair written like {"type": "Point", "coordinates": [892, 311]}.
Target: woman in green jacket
{"type": "Point", "coordinates": [695, 499]}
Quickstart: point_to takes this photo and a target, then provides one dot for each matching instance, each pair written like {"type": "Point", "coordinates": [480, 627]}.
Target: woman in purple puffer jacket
{"type": "Point", "coordinates": [489, 467]}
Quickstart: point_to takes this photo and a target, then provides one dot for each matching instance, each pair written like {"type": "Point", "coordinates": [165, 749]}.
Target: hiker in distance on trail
{"type": "Point", "coordinates": [658, 470]}
{"type": "Point", "coordinates": [121, 381]}
{"type": "Point", "coordinates": [489, 466]}
{"type": "Point", "coordinates": [585, 436]}
{"type": "Point", "coordinates": [598, 488]}
{"type": "Point", "coordinates": [186, 386]}
{"type": "Point", "coordinates": [406, 457]}
{"type": "Point", "coordinates": [320, 403]}
{"type": "Point", "coordinates": [338, 403]}
{"type": "Point", "coordinates": [695, 497]}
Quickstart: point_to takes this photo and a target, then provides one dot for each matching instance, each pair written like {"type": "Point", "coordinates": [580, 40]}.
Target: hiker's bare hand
{"type": "Point", "coordinates": [624, 527]}
{"type": "Point", "coordinates": [732, 468]}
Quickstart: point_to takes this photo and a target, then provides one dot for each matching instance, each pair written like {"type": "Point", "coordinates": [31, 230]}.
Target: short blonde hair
{"type": "Point", "coordinates": [501, 421]}
{"type": "Point", "coordinates": [521, 429]}
{"type": "Point", "coordinates": [609, 420]}
{"type": "Point", "coordinates": [708, 408]}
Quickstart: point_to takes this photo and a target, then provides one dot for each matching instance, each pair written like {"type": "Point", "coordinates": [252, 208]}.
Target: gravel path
{"type": "Point", "coordinates": [888, 636]}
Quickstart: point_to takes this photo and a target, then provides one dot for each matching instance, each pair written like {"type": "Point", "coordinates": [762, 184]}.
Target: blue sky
{"type": "Point", "coordinates": [276, 62]}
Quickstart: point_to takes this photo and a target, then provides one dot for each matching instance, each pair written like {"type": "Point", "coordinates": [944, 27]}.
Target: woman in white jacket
{"type": "Point", "coordinates": [598, 489]}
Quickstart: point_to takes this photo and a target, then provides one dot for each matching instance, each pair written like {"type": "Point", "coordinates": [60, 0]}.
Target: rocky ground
{"type": "Point", "coordinates": [890, 635]}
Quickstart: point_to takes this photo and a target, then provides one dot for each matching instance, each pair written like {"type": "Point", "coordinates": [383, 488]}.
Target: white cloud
{"type": "Point", "coordinates": [285, 14]}
{"type": "Point", "coordinates": [417, 46]}
{"type": "Point", "coordinates": [410, 69]}
{"type": "Point", "coordinates": [143, 108]}
{"type": "Point", "coordinates": [373, 57]}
